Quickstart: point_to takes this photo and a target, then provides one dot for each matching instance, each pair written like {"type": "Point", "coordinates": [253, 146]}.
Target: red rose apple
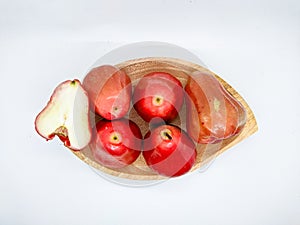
{"type": "Point", "coordinates": [158, 95]}
{"type": "Point", "coordinates": [109, 91]}
{"type": "Point", "coordinates": [116, 143]}
{"type": "Point", "coordinates": [213, 114]}
{"type": "Point", "coordinates": [169, 151]}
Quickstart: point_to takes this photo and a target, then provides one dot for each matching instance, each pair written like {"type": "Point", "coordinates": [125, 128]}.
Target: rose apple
{"type": "Point", "coordinates": [158, 95]}
{"type": "Point", "coordinates": [212, 113]}
{"type": "Point", "coordinates": [169, 151]}
{"type": "Point", "coordinates": [109, 90]}
{"type": "Point", "coordinates": [67, 116]}
{"type": "Point", "coordinates": [116, 143]}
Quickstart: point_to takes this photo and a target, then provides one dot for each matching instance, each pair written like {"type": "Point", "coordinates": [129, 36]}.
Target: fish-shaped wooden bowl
{"type": "Point", "coordinates": [136, 69]}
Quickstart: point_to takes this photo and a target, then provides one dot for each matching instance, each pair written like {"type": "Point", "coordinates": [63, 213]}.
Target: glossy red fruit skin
{"type": "Point", "coordinates": [158, 84]}
{"type": "Point", "coordinates": [169, 157]}
{"type": "Point", "coordinates": [116, 155]}
{"type": "Point", "coordinates": [212, 113]}
{"type": "Point", "coordinates": [109, 90]}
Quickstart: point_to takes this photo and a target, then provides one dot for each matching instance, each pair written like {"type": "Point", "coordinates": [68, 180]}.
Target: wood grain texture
{"type": "Point", "coordinates": [138, 68]}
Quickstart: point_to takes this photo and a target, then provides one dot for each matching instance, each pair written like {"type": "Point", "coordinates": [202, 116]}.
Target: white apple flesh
{"type": "Point", "coordinates": [66, 116]}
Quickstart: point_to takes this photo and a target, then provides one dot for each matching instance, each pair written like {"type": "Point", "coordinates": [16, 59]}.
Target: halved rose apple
{"type": "Point", "coordinates": [67, 116]}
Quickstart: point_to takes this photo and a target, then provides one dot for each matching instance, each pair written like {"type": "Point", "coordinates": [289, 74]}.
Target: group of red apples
{"type": "Point", "coordinates": [212, 115]}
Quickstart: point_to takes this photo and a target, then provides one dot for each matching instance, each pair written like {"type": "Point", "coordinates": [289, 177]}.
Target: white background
{"type": "Point", "coordinates": [254, 45]}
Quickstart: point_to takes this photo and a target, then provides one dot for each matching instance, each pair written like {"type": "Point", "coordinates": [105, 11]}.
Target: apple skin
{"type": "Point", "coordinates": [212, 113]}
{"type": "Point", "coordinates": [117, 143]}
{"type": "Point", "coordinates": [158, 95]}
{"type": "Point", "coordinates": [109, 91]}
{"type": "Point", "coordinates": [169, 151]}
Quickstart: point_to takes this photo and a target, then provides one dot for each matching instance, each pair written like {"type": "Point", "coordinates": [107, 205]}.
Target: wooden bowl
{"type": "Point", "coordinates": [136, 69]}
